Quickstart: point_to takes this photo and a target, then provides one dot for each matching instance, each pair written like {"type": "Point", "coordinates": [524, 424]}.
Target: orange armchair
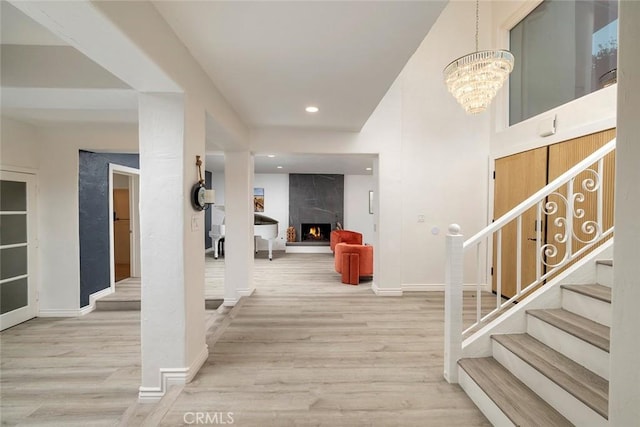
{"type": "Point", "coordinates": [344, 236]}
{"type": "Point", "coordinates": [353, 262]}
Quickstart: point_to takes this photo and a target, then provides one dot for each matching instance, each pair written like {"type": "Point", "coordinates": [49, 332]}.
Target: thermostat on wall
{"type": "Point", "coordinates": [547, 126]}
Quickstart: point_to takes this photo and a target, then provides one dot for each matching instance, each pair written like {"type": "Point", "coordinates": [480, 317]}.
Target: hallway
{"type": "Point", "coordinates": [303, 350]}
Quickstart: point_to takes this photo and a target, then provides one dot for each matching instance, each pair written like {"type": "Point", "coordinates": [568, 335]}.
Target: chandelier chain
{"type": "Point", "coordinates": [477, 21]}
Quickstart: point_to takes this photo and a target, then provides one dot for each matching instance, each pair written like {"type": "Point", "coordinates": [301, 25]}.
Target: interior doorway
{"type": "Point", "coordinates": [124, 224]}
{"type": "Point", "coordinates": [121, 227]}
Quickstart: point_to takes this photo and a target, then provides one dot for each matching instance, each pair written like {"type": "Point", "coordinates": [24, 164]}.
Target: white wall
{"type": "Point", "coordinates": [444, 152]}
{"type": "Point", "coordinates": [356, 205]}
{"type": "Point", "coordinates": [53, 152]}
{"type": "Point", "coordinates": [19, 144]}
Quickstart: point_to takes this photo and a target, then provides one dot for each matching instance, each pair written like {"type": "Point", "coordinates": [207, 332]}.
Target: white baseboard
{"type": "Point", "coordinates": [386, 292]}
{"type": "Point", "coordinates": [94, 297]}
{"type": "Point", "coordinates": [439, 287]}
{"type": "Point", "coordinates": [230, 302]}
{"type": "Point", "coordinates": [75, 312]}
{"type": "Point", "coordinates": [197, 363]}
{"type": "Point", "coordinates": [57, 312]}
{"type": "Point", "coordinates": [246, 292]}
{"type": "Point", "coordinates": [173, 376]}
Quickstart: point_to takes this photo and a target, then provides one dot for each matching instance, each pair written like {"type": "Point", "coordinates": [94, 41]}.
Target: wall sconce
{"type": "Point", "coordinates": [201, 197]}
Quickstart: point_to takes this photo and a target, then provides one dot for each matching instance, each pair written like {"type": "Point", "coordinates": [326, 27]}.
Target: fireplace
{"type": "Point", "coordinates": [315, 232]}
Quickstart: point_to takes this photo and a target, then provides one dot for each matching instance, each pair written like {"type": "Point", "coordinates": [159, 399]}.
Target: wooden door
{"type": "Point", "coordinates": [562, 157]}
{"type": "Point", "coordinates": [121, 234]}
{"type": "Point", "coordinates": [516, 178]}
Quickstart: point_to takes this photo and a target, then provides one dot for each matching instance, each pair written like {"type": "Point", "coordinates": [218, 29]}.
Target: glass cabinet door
{"type": "Point", "coordinates": [16, 295]}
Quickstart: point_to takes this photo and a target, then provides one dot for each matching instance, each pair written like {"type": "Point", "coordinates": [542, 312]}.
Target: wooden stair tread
{"type": "Point", "coordinates": [599, 292]}
{"type": "Point", "coordinates": [518, 402]}
{"type": "Point", "coordinates": [584, 385]}
{"type": "Point", "coordinates": [580, 327]}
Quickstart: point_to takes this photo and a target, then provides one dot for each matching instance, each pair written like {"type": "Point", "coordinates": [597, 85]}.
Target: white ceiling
{"type": "Point", "coordinates": [270, 59]}
{"type": "Point", "coordinates": [20, 29]}
{"type": "Point", "coordinates": [46, 81]}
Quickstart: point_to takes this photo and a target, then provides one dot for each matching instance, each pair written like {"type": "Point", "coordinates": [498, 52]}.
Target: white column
{"type": "Point", "coordinates": [387, 276]}
{"type": "Point", "coordinates": [624, 382]}
{"type": "Point", "coordinates": [171, 244]}
{"type": "Point", "coordinates": [453, 304]}
{"type": "Point", "coordinates": [238, 242]}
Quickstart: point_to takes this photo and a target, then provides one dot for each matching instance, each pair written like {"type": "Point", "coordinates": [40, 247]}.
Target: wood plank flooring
{"type": "Point", "coordinates": [303, 350]}
{"type": "Point", "coordinates": [72, 372]}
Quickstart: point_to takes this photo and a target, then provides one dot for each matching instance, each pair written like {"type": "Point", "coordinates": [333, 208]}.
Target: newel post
{"type": "Point", "coordinates": [453, 304]}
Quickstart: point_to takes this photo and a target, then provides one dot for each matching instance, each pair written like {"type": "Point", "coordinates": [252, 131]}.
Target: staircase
{"type": "Point", "coordinates": [541, 358]}
{"type": "Point", "coordinates": [555, 374]}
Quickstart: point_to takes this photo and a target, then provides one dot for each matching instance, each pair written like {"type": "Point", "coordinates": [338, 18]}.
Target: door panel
{"type": "Point", "coordinates": [517, 177]}
{"type": "Point", "coordinates": [17, 248]}
{"type": "Point", "coordinates": [562, 157]}
{"type": "Point", "coordinates": [520, 175]}
{"type": "Point", "coordinates": [121, 234]}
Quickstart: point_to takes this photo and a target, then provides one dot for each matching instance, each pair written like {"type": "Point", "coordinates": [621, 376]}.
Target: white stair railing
{"type": "Point", "coordinates": [563, 201]}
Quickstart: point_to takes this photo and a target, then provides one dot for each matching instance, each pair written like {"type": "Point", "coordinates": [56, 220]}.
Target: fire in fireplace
{"type": "Point", "coordinates": [315, 232]}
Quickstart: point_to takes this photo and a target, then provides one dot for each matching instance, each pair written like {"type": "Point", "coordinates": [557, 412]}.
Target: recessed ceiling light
{"type": "Point", "coordinates": [311, 109]}
{"type": "Point", "coordinates": [368, 169]}
{"type": "Point", "coordinates": [279, 167]}
{"type": "Point", "coordinates": [271, 155]}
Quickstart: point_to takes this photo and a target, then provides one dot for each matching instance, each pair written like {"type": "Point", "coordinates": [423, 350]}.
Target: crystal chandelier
{"type": "Point", "coordinates": [474, 79]}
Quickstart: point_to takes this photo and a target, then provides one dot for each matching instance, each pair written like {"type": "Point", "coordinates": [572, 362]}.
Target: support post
{"type": "Point", "coordinates": [624, 379]}
{"type": "Point", "coordinates": [453, 304]}
{"type": "Point", "coordinates": [239, 241]}
{"type": "Point", "coordinates": [172, 327]}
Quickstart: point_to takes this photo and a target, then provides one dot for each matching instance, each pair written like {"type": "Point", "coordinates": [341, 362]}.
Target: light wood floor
{"type": "Point", "coordinates": [303, 350]}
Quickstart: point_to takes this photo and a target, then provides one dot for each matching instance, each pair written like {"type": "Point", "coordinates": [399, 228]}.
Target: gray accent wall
{"type": "Point", "coordinates": [94, 217]}
{"type": "Point", "coordinates": [316, 198]}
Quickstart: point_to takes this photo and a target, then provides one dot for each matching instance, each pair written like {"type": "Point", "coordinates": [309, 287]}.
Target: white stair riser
{"type": "Point", "coordinates": [565, 403]}
{"type": "Point", "coordinates": [490, 410]}
{"type": "Point", "coordinates": [587, 355]}
{"type": "Point", "coordinates": [604, 275]}
{"type": "Point", "coordinates": [591, 308]}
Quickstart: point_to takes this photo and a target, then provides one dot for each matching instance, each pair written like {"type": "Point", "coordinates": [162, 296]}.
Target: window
{"type": "Point", "coordinates": [563, 50]}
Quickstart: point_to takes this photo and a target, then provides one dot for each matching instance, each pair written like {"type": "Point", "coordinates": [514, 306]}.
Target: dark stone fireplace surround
{"type": "Point", "coordinates": [317, 199]}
